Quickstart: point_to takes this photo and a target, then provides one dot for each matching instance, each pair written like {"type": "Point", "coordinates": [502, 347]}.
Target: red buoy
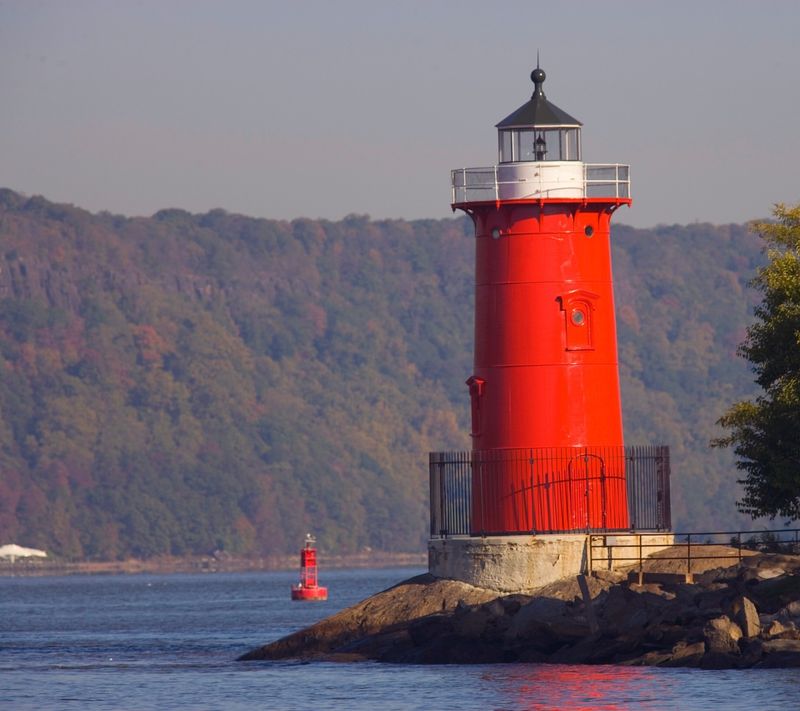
{"type": "Point", "coordinates": [307, 588]}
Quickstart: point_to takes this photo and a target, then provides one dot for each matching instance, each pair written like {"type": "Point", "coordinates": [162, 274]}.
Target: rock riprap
{"type": "Point", "coordinates": [745, 615]}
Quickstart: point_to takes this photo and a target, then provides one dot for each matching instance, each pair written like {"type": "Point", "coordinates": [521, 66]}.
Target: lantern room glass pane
{"type": "Point", "coordinates": [506, 154]}
{"type": "Point", "coordinates": [524, 143]}
{"type": "Point", "coordinates": [539, 144]}
{"type": "Point", "coordinates": [571, 144]}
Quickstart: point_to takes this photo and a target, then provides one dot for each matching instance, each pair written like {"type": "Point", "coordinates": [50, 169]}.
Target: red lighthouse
{"type": "Point", "coordinates": [546, 414]}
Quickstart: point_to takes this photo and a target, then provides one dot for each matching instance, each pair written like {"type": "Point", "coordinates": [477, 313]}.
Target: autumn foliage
{"type": "Point", "coordinates": [192, 383]}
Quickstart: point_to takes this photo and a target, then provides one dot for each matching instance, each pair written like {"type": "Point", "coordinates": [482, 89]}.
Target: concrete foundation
{"type": "Point", "coordinates": [512, 564]}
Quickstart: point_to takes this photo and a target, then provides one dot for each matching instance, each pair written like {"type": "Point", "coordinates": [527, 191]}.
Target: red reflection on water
{"type": "Point", "coordinates": [537, 687]}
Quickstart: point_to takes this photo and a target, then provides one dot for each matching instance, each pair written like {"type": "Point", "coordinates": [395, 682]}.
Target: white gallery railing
{"type": "Point", "coordinates": [540, 180]}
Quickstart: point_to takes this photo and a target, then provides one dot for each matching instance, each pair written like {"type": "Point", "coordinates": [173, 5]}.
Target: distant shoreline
{"type": "Point", "coordinates": [205, 564]}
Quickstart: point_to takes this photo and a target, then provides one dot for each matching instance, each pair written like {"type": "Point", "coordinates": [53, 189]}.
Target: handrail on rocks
{"type": "Point", "coordinates": [692, 548]}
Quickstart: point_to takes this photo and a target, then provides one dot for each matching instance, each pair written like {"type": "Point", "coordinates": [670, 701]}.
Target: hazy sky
{"type": "Point", "coordinates": [286, 108]}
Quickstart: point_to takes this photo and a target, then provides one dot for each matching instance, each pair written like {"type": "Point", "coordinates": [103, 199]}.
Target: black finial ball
{"type": "Point", "coordinates": [538, 76]}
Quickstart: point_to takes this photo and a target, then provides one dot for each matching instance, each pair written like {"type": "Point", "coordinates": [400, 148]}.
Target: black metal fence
{"type": "Point", "coordinates": [550, 490]}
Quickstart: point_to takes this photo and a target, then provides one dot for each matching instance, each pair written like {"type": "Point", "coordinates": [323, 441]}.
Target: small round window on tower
{"type": "Point", "coordinates": [588, 230]}
{"type": "Point", "coordinates": [578, 317]}
{"type": "Point", "coordinates": [495, 233]}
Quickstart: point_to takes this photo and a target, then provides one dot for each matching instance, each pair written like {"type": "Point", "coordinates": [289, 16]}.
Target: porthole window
{"type": "Point", "coordinates": [579, 311]}
{"type": "Point", "coordinates": [588, 230]}
{"type": "Point", "coordinates": [495, 233]}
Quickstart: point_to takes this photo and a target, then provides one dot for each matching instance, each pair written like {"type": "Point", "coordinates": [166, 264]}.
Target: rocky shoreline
{"type": "Point", "coordinates": [740, 616]}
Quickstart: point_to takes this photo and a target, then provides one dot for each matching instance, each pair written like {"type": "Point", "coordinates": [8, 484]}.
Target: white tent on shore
{"type": "Point", "coordinates": [11, 551]}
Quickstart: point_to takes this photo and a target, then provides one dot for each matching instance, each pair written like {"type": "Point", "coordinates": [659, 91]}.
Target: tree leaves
{"type": "Point", "coordinates": [763, 432]}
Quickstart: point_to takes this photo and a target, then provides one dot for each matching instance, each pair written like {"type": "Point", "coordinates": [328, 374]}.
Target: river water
{"type": "Point", "coordinates": [170, 642]}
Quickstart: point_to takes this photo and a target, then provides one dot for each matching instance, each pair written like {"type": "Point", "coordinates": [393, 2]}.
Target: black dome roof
{"type": "Point", "coordinates": [538, 111]}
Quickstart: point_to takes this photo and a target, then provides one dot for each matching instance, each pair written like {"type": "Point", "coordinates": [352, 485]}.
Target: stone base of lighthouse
{"type": "Point", "coordinates": [510, 564]}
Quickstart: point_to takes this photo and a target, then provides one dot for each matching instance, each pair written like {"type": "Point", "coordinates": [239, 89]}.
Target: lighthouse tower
{"type": "Point", "coordinates": [545, 372]}
{"type": "Point", "coordinates": [548, 455]}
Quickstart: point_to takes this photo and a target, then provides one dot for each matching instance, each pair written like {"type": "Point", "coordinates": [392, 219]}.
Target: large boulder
{"type": "Point", "coordinates": [686, 655]}
{"type": "Point", "coordinates": [471, 624]}
{"type": "Point", "coordinates": [412, 599]}
{"type": "Point", "coordinates": [781, 653]}
{"type": "Point", "coordinates": [777, 628]}
{"type": "Point", "coordinates": [623, 611]}
{"type": "Point", "coordinates": [792, 610]}
{"type": "Point", "coordinates": [745, 615]}
{"type": "Point", "coordinates": [545, 624]}
{"type": "Point", "coordinates": [771, 646]}
{"type": "Point", "coordinates": [722, 635]}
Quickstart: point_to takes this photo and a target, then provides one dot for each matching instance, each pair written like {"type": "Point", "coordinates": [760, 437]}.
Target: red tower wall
{"type": "Point", "coordinates": [545, 377]}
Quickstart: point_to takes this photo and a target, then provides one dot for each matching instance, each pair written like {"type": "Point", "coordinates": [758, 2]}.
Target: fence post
{"type": "Point", "coordinates": [586, 502]}
{"type": "Point", "coordinates": [589, 559]}
{"type": "Point", "coordinates": [641, 568]}
{"type": "Point", "coordinates": [689, 578]}
{"type": "Point", "coordinates": [443, 518]}
{"type": "Point", "coordinates": [483, 495]}
{"type": "Point", "coordinates": [435, 498]}
{"type": "Point", "coordinates": [633, 480]}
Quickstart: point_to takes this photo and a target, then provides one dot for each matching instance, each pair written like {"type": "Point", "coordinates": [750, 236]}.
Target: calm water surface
{"type": "Point", "coordinates": [170, 641]}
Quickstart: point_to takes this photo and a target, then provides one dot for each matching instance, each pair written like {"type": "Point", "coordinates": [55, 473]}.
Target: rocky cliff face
{"type": "Point", "coordinates": [746, 615]}
{"type": "Point", "coordinates": [52, 262]}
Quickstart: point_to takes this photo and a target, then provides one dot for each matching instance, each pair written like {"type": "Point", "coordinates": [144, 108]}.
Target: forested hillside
{"type": "Point", "coordinates": [191, 383]}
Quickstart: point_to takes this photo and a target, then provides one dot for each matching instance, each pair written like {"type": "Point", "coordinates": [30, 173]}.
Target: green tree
{"type": "Point", "coordinates": [763, 431]}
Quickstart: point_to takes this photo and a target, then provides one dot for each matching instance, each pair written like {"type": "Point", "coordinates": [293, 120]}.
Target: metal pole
{"type": "Point", "coordinates": [586, 491]}
{"type": "Point", "coordinates": [443, 522]}
{"type": "Point", "coordinates": [688, 557]}
{"type": "Point", "coordinates": [483, 496]}
{"type": "Point", "coordinates": [641, 570]}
